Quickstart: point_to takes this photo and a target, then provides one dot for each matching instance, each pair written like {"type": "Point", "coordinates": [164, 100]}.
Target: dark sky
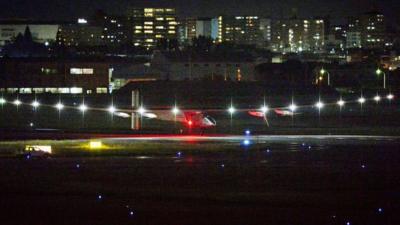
{"type": "Point", "coordinates": [71, 9]}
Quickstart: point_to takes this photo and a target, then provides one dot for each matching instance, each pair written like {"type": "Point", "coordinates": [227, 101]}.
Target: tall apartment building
{"type": "Point", "coordinates": [239, 30]}
{"type": "Point", "coordinates": [373, 30]}
{"type": "Point", "coordinates": [298, 35]}
{"type": "Point", "coordinates": [149, 25]}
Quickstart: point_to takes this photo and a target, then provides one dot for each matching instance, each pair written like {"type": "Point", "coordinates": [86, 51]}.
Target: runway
{"type": "Point", "coordinates": [253, 138]}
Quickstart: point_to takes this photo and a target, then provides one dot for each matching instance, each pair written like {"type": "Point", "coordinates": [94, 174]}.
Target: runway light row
{"type": "Point", "coordinates": [175, 110]}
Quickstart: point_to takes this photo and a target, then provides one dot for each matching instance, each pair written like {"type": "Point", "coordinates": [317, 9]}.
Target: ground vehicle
{"type": "Point", "coordinates": [41, 151]}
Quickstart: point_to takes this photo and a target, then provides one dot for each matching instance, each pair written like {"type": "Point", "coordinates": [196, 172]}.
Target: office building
{"type": "Point", "coordinates": [150, 25]}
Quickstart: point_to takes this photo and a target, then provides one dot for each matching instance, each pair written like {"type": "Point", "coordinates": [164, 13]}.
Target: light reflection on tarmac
{"type": "Point", "coordinates": [333, 139]}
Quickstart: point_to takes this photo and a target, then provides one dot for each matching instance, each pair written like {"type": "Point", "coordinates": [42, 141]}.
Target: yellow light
{"type": "Point", "coordinates": [43, 148]}
{"type": "Point", "coordinates": [95, 144]}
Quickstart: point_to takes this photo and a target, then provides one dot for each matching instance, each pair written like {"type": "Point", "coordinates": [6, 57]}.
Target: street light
{"type": "Point", "coordinates": [379, 72]}
{"type": "Point", "coordinates": [323, 72]}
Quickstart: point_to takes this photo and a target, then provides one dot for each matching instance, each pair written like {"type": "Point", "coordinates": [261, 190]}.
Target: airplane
{"type": "Point", "coordinates": [196, 118]}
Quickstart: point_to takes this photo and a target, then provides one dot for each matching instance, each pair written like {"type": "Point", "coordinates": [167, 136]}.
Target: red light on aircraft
{"type": "Point", "coordinates": [190, 123]}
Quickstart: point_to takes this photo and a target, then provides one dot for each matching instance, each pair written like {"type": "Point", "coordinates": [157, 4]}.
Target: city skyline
{"type": "Point", "coordinates": [68, 10]}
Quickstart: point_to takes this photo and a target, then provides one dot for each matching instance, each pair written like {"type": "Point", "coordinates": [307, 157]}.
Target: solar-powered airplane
{"type": "Point", "coordinates": [199, 118]}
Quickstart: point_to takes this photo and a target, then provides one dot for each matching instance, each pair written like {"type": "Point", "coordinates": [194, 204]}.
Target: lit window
{"type": "Point", "coordinates": [75, 71]}
{"type": "Point", "coordinates": [25, 90]}
{"type": "Point", "coordinates": [76, 90]}
{"type": "Point", "coordinates": [87, 71]}
{"type": "Point", "coordinates": [81, 71]}
{"type": "Point", "coordinates": [38, 90]}
{"type": "Point", "coordinates": [63, 90]}
{"type": "Point", "coordinates": [101, 90]}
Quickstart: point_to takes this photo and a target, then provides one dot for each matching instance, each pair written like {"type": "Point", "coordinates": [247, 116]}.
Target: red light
{"type": "Point", "coordinates": [190, 123]}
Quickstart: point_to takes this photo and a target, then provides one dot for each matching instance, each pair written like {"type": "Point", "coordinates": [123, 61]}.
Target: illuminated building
{"type": "Point", "coordinates": [298, 35]}
{"type": "Point", "coordinates": [373, 30]}
{"type": "Point", "coordinates": [353, 37]}
{"type": "Point", "coordinates": [204, 27]}
{"type": "Point", "coordinates": [367, 31]}
{"type": "Point", "coordinates": [115, 30]}
{"type": "Point", "coordinates": [150, 25]}
{"type": "Point", "coordinates": [265, 28]}
{"type": "Point", "coordinates": [80, 34]}
{"type": "Point", "coordinates": [189, 27]}
{"type": "Point", "coordinates": [50, 75]}
{"type": "Point", "coordinates": [336, 40]}
{"type": "Point", "coordinates": [42, 32]}
{"type": "Point", "coordinates": [239, 30]}
{"type": "Point", "coordinates": [195, 27]}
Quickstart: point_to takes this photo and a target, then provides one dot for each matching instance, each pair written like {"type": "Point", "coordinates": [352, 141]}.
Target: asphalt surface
{"type": "Point", "coordinates": [298, 179]}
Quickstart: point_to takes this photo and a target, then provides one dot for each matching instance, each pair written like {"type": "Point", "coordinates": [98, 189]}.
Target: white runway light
{"type": "Point", "coordinates": [59, 106]}
{"type": "Point", "coordinates": [35, 104]}
{"type": "Point", "coordinates": [141, 110]}
{"type": "Point", "coordinates": [83, 107]}
{"type": "Point", "coordinates": [111, 109]}
{"type": "Point", "coordinates": [293, 107]}
{"type": "Point", "coordinates": [175, 110]}
{"type": "Point", "coordinates": [264, 109]}
{"type": "Point", "coordinates": [231, 110]}
{"type": "Point", "coordinates": [17, 102]}
{"type": "Point", "coordinates": [2, 101]}
{"type": "Point", "coordinates": [361, 100]}
{"type": "Point", "coordinates": [390, 96]}
{"type": "Point", "coordinates": [377, 98]}
{"type": "Point", "coordinates": [341, 103]}
{"type": "Point", "coordinates": [319, 105]}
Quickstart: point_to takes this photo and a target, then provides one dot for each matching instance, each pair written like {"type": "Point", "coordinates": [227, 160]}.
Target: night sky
{"type": "Point", "coordinates": [71, 9]}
